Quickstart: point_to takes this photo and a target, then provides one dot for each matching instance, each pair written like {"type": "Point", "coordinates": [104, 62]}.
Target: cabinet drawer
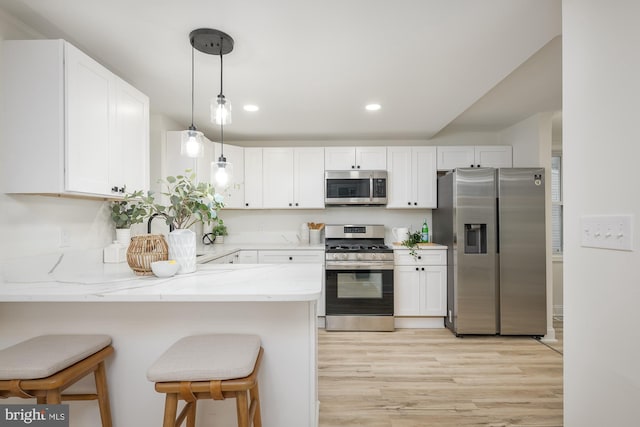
{"type": "Point", "coordinates": [424, 257]}
{"type": "Point", "coordinates": [284, 257]}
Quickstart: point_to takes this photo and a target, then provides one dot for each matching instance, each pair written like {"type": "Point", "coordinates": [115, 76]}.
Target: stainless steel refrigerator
{"type": "Point", "coordinates": [493, 221]}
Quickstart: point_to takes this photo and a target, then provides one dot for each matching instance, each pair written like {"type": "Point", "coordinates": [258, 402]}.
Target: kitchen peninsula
{"type": "Point", "coordinates": [145, 315]}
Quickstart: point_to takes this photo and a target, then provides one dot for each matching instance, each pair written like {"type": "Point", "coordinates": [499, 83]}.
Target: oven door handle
{"type": "Point", "coordinates": [358, 265]}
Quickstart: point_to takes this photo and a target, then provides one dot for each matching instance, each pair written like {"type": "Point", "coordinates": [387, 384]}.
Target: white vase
{"type": "Point", "coordinates": [182, 248]}
{"type": "Point", "coordinates": [219, 240]}
{"type": "Point", "coordinates": [123, 236]}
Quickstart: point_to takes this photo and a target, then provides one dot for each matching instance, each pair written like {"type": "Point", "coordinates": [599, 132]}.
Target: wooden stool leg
{"type": "Point", "coordinates": [170, 410]}
{"type": "Point", "coordinates": [255, 402]}
{"type": "Point", "coordinates": [191, 415]}
{"type": "Point", "coordinates": [242, 409]}
{"type": "Point", "coordinates": [53, 397]}
{"type": "Point", "coordinates": [41, 400]}
{"type": "Point", "coordinates": [103, 395]}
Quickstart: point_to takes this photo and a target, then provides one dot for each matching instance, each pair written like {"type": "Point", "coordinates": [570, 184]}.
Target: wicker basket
{"type": "Point", "coordinates": [145, 249]}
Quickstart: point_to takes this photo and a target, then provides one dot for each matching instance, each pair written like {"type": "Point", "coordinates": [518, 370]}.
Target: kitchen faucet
{"type": "Point", "coordinates": [171, 227]}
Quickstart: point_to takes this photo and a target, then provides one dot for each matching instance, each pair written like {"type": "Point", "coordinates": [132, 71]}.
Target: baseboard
{"type": "Point", "coordinates": [557, 310]}
{"type": "Point", "coordinates": [405, 322]}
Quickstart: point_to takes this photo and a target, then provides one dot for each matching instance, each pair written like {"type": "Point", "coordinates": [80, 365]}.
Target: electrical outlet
{"type": "Point", "coordinates": [607, 232]}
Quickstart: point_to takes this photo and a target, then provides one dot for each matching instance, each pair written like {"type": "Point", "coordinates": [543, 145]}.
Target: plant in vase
{"type": "Point", "coordinates": [188, 203]}
{"type": "Point", "coordinates": [219, 231]}
{"type": "Point", "coordinates": [124, 213]}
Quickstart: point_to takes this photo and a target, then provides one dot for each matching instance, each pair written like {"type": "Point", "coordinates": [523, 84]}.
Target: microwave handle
{"type": "Point", "coordinates": [371, 188]}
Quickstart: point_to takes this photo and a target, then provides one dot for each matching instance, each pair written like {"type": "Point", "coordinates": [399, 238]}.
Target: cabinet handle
{"type": "Point", "coordinates": [114, 189]}
{"type": "Point", "coordinates": [353, 167]}
{"type": "Point", "coordinates": [296, 204]}
{"type": "Point", "coordinates": [290, 258]}
{"type": "Point", "coordinates": [121, 190]}
{"type": "Point", "coordinates": [417, 269]}
{"type": "Point", "coordinates": [419, 256]}
{"type": "Point", "coordinates": [415, 203]}
{"type": "Point", "coordinates": [409, 203]}
{"type": "Point", "coordinates": [290, 204]}
{"type": "Point", "coordinates": [246, 204]}
{"type": "Point", "coordinates": [471, 165]}
{"type": "Point", "coordinates": [358, 166]}
{"type": "Point", "coordinates": [478, 166]}
{"type": "Point", "coordinates": [422, 268]}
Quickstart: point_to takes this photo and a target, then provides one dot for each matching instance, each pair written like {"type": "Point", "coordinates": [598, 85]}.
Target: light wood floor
{"type": "Point", "coordinates": [428, 377]}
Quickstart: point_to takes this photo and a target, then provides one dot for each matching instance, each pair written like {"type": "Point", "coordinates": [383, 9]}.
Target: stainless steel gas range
{"type": "Point", "coordinates": [359, 279]}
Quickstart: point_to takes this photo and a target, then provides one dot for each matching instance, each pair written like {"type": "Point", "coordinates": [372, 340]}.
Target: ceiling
{"type": "Point", "coordinates": [311, 66]}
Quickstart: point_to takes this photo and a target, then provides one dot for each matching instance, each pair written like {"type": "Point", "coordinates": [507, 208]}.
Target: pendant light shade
{"type": "Point", "coordinates": [192, 141]}
{"type": "Point", "coordinates": [221, 110]}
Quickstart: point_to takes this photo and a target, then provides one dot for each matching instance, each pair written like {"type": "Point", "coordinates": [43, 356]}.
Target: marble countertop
{"type": "Point", "coordinates": [427, 246]}
{"type": "Point", "coordinates": [82, 277]}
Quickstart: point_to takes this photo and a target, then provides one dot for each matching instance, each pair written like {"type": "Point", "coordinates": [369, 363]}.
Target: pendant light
{"type": "Point", "coordinates": [192, 141]}
{"type": "Point", "coordinates": [216, 42]}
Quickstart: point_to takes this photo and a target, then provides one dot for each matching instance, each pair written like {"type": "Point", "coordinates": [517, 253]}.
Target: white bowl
{"type": "Point", "coordinates": [165, 268]}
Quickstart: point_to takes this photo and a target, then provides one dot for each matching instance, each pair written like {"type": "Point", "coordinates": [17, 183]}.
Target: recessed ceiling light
{"type": "Point", "coordinates": [251, 108]}
{"type": "Point", "coordinates": [373, 107]}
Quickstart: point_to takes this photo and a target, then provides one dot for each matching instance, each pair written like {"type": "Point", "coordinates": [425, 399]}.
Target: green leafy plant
{"type": "Point", "coordinates": [189, 202]}
{"type": "Point", "coordinates": [131, 210]}
{"type": "Point", "coordinates": [412, 242]}
{"type": "Point", "coordinates": [220, 229]}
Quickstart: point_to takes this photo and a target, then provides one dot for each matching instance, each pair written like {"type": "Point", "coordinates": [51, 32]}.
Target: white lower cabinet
{"type": "Point", "coordinates": [420, 283]}
{"type": "Point", "coordinates": [290, 256]}
{"type": "Point", "coordinates": [248, 257]}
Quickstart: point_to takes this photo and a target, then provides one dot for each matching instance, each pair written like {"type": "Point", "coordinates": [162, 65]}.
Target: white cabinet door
{"type": "Point", "coordinates": [348, 158]}
{"type": "Point", "coordinates": [371, 158]}
{"type": "Point", "coordinates": [309, 177]}
{"type": "Point", "coordinates": [406, 291]}
{"type": "Point", "coordinates": [129, 166]}
{"type": "Point", "coordinates": [455, 157]}
{"type": "Point", "coordinates": [90, 123]}
{"type": "Point", "coordinates": [253, 177]}
{"type": "Point", "coordinates": [285, 257]}
{"type": "Point", "coordinates": [277, 176]}
{"type": "Point", "coordinates": [399, 186]}
{"type": "Point", "coordinates": [247, 257]}
{"type": "Point", "coordinates": [425, 177]}
{"type": "Point", "coordinates": [495, 156]}
{"type": "Point", "coordinates": [234, 191]}
{"type": "Point", "coordinates": [339, 158]}
{"type": "Point", "coordinates": [412, 177]}
{"type": "Point", "coordinates": [433, 291]}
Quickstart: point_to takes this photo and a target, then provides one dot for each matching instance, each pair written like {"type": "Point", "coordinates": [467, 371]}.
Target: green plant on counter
{"type": "Point", "coordinates": [189, 202]}
{"type": "Point", "coordinates": [412, 242]}
{"type": "Point", "coordinates": [131, 210]}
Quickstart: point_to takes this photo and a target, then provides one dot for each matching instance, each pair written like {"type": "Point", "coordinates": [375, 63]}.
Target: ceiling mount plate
{"type": "Point", "coordinates": [211, 41]}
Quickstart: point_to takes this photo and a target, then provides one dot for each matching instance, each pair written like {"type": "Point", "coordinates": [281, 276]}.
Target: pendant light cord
{"type": "Point", "coordinates": [221, 96]}
{"type": "Point", "coordinates": [192, 74]}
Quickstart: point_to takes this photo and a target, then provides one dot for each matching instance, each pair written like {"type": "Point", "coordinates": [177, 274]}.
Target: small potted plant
{"type": "Point", "coordinates": [124, 213]}
{"type": "Point", "coordinates": [219, 231]}
{"type": "Point", "coordinates": [188, 204]}
{"type": "Point", "coordinates": [412, 242]}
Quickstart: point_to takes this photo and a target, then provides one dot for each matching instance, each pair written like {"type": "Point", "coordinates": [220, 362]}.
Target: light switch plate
{"type": "Point", "coordinates": [607, 232]}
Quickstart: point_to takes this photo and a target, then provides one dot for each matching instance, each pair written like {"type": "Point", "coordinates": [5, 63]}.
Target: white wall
{"type": "Point", "coordinates": [601, 147]}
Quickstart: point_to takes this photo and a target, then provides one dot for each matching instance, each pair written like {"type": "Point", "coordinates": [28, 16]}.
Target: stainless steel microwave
{"type": "Point", "coordinates": [358, 187]}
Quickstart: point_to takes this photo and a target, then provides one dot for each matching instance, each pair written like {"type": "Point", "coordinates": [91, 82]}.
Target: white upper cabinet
{"type": "Point", "coordinates": [496, 156]}
{"type": "Point", "coordinates": [293, 177]}
{"type": "Point", "coordinates": [69, 125]}
{"type": "Point", "coordinates": [412, 177]}
{"type": "Point", "coordinates": [347, 158]}
{"type": "Point", "coordinates": [253, 177]}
